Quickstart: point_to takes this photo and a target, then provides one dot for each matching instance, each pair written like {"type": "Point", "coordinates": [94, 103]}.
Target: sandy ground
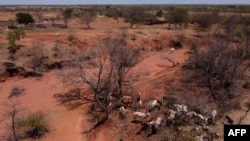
{"type": "Point", "coordinates": [67, 125]}
{"type": "Point", "coordinates": [64, 124]}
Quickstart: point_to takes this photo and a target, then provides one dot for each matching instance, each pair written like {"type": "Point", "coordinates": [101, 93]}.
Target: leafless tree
{"type": "Point", "coordinates": [221, 65]}
{"type": "Point", "coordinates": [134, 15]}
{"type": "Point", "coordinates": [11, 115]}
{"type": "Point", "coordinates": [113, 59]}
{"type": "Point", "coordinates": [37, 53]}
{"type": "Point", "coordinates": [122, 58]}
{"type": "Point", "coordinates": [87, 16]}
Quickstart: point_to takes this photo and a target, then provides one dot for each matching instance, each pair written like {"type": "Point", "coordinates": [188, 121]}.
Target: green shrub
{"type": "Point", "coordinates": [35, 125]}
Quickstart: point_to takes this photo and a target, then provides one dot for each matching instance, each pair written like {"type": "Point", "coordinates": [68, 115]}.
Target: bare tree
{"type": "Point", "coordinates": [113, 59]}
{"type": "Point", "coordinates": [122, 59]}
{"type": "Point", "coordinates": [37, 53]}
{"type": "Point", "coordinates": [220, 66]}
{"type": "Point", "coordinates": [67, 14]}
{"type": "Point", "coordinates": [134, 15]}
{"type": "Point", "coordinates": [87, 16]}
{"type": "Point", "coordinates": [12, 114]}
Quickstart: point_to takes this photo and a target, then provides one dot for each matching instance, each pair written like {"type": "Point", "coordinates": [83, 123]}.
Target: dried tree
{"type": "Point", "coordinates": [113, 60]}
{"type": "Point", "coordinates": [87, 16]}
{"type": "Point", "coordinates": [37, 53]}
{"type": "Point", "coordinates": [220, 66]}
{"type": "Point", "coordinates": [134, 15]}
{"type": "Point", "coordinates": [11, 116]}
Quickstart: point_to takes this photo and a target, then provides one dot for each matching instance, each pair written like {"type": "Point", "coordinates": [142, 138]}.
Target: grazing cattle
{"type": "Point", "coordinates": [141, 114]}
{"type": "Point", "coordinates": [126, 100]}
{"type": "Point", "coordinates": [172, 49]}
{"type": "Point", "coordinates": [181, 108]}
{"type": "Point", "coordinates": [138, 101]}
{"type": "Point", "coordinates": [156, 123]}
{"type": "Point", "coordinates": [211, 132]}
{"type": "Point", "coordinates": [154, 126]}
{"type": "Point", "coordinates": [123, 110]}
{"type": "Point", "coordinates": [192, 114]}
{"type": "Point", "coordinates": [154, 104]}
{"type": "Point", "coordinates": [172, 114]}
{"type": "Point", "coordinates": [151, 126]}
{"type": "Point", "coordinates": [142, 118]}
{"type": "Point", "coordinates": [201, 117]}
{"type": "Point", "coordinates": [214, 114]}
{"type": "Point", "coordinates": [146, 120]}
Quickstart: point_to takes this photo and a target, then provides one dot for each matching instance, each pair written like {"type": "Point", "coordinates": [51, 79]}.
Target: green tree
{"type": "Point", "coordinates": [159, 13]}
{"type": "Point", "coordinates": [113, 12]}
{"type": "Point", "coordinates": [67, 14]}
{"type": "Point", "coordinates": [134, 15]}
{"type": "Point", "coordinates": [24, 18]}
{"type": "Point", "coordinates": [178, 16]}
{"type": "Point", "coordinates": [13, 36]}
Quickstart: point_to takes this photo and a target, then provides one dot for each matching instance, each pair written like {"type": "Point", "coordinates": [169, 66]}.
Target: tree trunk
{"type": "Point", "coordinates": [131, 25]}
{"type": "Point", "coordinates": [14, 124]}
{"type": "Point", "coordinates": [211, 89]}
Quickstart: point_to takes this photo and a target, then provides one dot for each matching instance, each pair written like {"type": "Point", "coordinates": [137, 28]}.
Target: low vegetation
{"type": "Point", "coordinates": [34, 126]}
{"type": "Point", "coordinates": [13, 36]}
{"type": "Point", "coordinates": [183, 101]}
{"type": "Point", "coordinates": [16, 91]}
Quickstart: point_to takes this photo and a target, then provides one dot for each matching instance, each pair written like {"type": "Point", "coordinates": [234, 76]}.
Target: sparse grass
{"type": "Point", "coordinates": [35, 125]}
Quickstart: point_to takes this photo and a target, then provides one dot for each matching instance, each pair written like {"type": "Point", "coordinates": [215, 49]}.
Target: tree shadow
{"type": "Point", "coordinates": [74, 98]}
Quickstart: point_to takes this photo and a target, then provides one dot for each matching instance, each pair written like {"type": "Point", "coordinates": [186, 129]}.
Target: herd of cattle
{"type": "Point", "coordinates": [152, 114]}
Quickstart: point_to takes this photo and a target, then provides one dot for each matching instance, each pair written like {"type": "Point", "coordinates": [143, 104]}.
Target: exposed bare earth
{"type": "Point", "coordinates": [67, 125]}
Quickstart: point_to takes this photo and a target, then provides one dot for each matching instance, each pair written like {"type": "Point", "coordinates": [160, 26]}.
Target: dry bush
{"type": "Point", "coordinates": [220, 66]}
{"type": "Point", "coordinates": [38, 56]}
{"type": "Point", "coordinates": [16, 91]}
{"type": "Point", "coordinates": [57, 49]}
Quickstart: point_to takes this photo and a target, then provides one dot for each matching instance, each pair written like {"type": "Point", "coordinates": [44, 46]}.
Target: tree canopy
{"type": "Point", "coordinates": [14, 35]}
{"type": "Point", "coordinates": [134, 15]}
{"type": "Point", "coordinates": [178, 16]}
{"type": "Point", "coordinates": [24, 18]}
{"type": "Point", "coordinates": [67, 14]}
